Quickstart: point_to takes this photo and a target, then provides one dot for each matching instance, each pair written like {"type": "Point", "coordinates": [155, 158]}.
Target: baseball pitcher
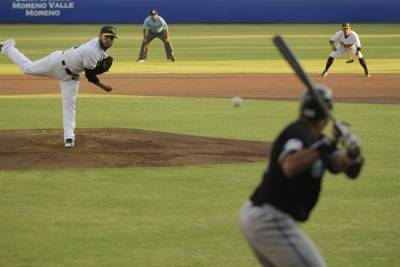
{"type": "Point", "coordinates": [66, 66]}
{"type": "Point", "coordinates": [154, 26]}
{"type": "Point", "coordinates": [291, 186]}
{"type": "Point", "coordinates": [345, 41]}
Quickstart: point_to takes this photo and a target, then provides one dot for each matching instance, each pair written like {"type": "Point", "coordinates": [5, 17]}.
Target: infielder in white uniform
{"type": "Point", "coordinates": [345, 41]}
{"type": "Point", "coordinates": [66, 67]}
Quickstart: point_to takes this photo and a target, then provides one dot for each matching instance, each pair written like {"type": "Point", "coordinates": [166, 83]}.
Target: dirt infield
{"type": "Point", "coordinates": [123, 147]}
{"type": "Point", "coordinates": [380, 88]}
{"type": "Point", "coordinates": [105, 148]}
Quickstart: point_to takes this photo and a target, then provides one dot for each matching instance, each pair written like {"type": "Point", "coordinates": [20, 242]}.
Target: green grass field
{"type": "Point", "coordinates": [215, 48]}
{"type": "Point", "coordinates": [188, 216]}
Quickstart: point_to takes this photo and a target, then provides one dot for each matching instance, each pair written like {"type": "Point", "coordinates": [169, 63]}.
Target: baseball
{"type": "Point", "coordinates": [236, 101]}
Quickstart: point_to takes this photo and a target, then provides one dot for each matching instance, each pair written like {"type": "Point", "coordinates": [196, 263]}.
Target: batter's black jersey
{"type": "Point", "coordinates": [295, 195]}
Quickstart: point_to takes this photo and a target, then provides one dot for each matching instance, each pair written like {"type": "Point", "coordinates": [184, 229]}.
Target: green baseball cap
{"type": "Point", "coordinates": [109, 31]}
{"type": "Point", "coordinates": [346, 25]}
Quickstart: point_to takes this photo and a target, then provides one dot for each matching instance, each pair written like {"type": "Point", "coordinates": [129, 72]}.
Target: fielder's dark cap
{"type": "Point", "coordinates": [310, 109]}
{"type": "Point", "coordinates": [109, 31]}
{"type": "Point", "coordinates": [346, 25]}
{"type": "Point", "coordinates": [154, 12]}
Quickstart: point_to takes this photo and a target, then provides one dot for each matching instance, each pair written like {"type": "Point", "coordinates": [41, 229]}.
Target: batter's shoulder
{"type": "Point", "coordinates": [297, 129]}
{"type": "Point", "coordinates": [298, 126]}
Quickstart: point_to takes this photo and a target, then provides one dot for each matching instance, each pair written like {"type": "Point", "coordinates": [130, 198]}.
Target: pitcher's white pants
{"type": "Point", "coordinates": [50, 66]}
{"type": "Point", "coordinates": [69, 92]}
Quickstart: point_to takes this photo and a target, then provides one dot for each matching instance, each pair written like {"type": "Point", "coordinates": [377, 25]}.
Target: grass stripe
{"type": "Point", "coordinates": [204, 37]}
{"type": "Point", "coordinates": [237, 66]}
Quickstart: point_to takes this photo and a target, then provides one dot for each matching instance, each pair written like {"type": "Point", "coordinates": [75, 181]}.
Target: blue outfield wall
{"type": "Point", "coordinates": [200, 11]}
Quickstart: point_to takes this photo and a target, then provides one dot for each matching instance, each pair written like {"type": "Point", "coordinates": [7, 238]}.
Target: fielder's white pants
{"type": "Point", "coordinates": [340, 50]}
{"type": "Point", "coordinates": [276, 239]}
{"type": "Point", "coordinates": [50, 66]}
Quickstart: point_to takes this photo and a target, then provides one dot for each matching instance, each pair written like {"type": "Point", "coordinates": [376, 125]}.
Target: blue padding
{"type": "Point", "coordinates": [202, 11]}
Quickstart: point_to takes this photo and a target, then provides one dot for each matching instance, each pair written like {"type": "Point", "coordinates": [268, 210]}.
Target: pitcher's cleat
{"type": "Point", "coordinates": [324, 73]}
{"type": "Point", "coordinates": [69, 143]}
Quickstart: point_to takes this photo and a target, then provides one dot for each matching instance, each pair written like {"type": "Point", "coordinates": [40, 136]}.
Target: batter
{"type": "Point", "coordinates": [291, 186]}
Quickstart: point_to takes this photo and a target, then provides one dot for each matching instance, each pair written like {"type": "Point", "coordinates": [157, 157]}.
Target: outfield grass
{"type": "Point", "coordinates": [188, 216]}
{"type": "Point", "coordinates": [215, 48]}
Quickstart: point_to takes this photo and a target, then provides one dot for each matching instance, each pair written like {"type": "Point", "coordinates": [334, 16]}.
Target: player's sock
{"type": "Point", "coordinates": [363, 64]}
{"type": "Point", "coordinates": [329, 63]}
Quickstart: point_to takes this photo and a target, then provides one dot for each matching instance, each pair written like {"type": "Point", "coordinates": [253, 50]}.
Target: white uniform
{"type": "Point", "coordinates": [347, 44]}
{"type": "Point", "coordinates": [75, 59]}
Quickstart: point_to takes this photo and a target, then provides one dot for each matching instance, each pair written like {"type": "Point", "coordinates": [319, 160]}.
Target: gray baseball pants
{"type": "Point", "coordinates": [276, 239]}
{"type": "Point", "coordinates": [147, 40]}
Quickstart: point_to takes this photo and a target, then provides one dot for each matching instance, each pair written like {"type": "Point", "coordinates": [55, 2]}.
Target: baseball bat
{"type": "Point", "coordinates": [291, 58]}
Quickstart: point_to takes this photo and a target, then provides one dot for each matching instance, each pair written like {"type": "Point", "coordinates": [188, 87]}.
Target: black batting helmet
{"type": "Point", "coordinates": [309, 108]}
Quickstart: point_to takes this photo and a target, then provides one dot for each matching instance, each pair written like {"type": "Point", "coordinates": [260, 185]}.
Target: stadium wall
{"type": "Point", "coordinates": [200, 11]}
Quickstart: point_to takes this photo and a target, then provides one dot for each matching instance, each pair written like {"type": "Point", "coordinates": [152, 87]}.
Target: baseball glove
{"type": "Point", "coordinates": [104, 65]}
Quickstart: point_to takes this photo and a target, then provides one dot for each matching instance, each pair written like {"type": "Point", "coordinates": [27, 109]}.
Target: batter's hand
{"type": "Point", "coordinates": [341, 129]}
{"type": "Point", "coordinates": [354, 169]}
{"type": "Point", "coordinates": [325, 146]}
{"type": "Point", "coordinates": [352, 146]}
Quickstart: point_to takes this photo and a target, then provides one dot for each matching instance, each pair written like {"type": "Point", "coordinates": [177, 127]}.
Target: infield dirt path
{"type": "Point", "coordinates": [380, 88]}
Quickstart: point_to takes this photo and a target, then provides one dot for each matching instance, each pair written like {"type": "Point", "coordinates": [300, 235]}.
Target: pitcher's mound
{"type": "Point", "coordinates": [104, 148]}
